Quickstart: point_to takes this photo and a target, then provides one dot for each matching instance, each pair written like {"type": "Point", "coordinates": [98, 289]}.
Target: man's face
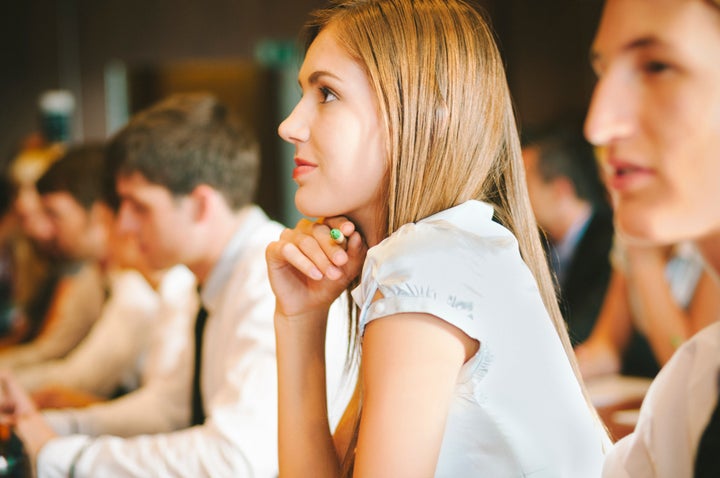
{"type": "Point", "coordinates": [543, 195]}
{"type": "Point", "coordinates": [71, 224]}
{"type": "Point", "coordinates": [655, 112]}
{"type": "Point", "coordinates": [161, 222]}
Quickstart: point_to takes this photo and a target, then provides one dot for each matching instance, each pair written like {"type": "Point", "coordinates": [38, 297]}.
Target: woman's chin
{"type": "Point", "coordinates": [311, 208]}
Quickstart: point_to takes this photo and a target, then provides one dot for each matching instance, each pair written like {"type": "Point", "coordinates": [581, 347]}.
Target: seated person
{"type": "Point", "coordinates": [187, 172]}
{"type": "Point", "coordinates": [37, 268]}
{"type": "Point", "coordinates": [655, 111]}
{"type": "Point", "coordinates": [659, 296]}
{"type": "Point", "coordinates": [112, 358]}
{"type": "Point", "coordinates": [68, 301]}
{"type": "Point", "coordinates": [567, 198]}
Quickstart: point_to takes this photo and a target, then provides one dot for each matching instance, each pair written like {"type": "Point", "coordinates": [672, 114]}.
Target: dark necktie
{"type": "Point", "coordinates": [707, 460]}
{"type": "Point", "coordinates": [198, 412]}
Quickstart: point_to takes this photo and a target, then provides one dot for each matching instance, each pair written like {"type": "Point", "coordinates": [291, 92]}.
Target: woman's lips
{"type": "Point", "coordinates": [302, 167]}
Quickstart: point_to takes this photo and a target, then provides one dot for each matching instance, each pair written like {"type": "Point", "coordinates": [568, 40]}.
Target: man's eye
{"type": "Point", "coordinates": [655, 67]}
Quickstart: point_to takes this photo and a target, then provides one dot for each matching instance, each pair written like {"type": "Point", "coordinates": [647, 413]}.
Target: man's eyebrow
{"type": "Point", "coordinates": [638, 44]}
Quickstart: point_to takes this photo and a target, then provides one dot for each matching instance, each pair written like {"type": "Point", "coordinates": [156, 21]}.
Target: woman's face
{"type": "Point", "coordinates": [33, 220]}
{"type": "Point", "coordinates": [656, 114]}
{"type": "Point", "coordinates": [339, 140]}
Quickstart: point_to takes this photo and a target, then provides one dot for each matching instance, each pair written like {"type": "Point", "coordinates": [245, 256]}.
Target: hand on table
{"type": "Point", "coordinates": [18, 410]}
{"type": "Point", "coordinates": [58, 396]}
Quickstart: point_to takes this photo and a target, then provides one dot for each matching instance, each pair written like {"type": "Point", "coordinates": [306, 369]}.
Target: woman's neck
{"type": "Point", "coordinates": [367, 225]}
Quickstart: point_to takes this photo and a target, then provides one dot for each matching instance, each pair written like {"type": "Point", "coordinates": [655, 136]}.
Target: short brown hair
{"type": "Point", "coordinates": [83, 173]}
{"type": "Point", "coordinates": [187, 140]}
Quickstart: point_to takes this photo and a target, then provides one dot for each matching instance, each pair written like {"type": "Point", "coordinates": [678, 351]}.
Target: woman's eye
{"type": "Point", "coordinates": [327, 95]}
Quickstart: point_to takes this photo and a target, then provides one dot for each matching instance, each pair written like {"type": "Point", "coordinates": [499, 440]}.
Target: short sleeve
{"type": "Point", "coordinates": [436, 267]}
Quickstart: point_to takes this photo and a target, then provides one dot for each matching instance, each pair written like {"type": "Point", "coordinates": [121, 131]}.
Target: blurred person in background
{"type": "Point", "coordinates": [80, 291]}
{"type": "Point", "coordinates": [38, 269]}
{"type": "Point", "coordinates": [7, 263]}
{"type": "Point", "coordinates": [659, 296]}
{"type": "Point", "coordinates": [187, 169]}
{"type": "Point", "coordinates": [655, 112]}
{"type": "Point", "coordinates": [25, 169]}
{"type": "Point", "coordinates": [78, 193]}
{"type": "Point", "coordinates": [569, 203]}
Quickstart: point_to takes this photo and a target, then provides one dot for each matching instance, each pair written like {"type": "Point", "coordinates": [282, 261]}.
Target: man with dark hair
{"type": "Point", "coordinates": [78, 297]}
{"type": "Point", "coordinates": [83, 174]}
{"type": "Point", "coordinates": [186, 174]}
{"type": "Point", "coordinates": [79, 196]}
{"type": "Point", "coordinates": [568, 200]}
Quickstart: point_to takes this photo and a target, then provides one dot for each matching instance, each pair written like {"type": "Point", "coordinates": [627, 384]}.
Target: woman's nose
{"type": "Point", "coordinates": [294, 129]}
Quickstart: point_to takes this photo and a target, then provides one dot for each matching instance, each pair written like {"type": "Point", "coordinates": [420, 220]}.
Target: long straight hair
{"type": "Point", "coordinates": [451, 129]}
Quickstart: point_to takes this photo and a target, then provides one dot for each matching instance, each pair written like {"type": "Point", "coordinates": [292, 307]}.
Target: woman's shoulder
{"type": "Point", "coordinates": [458, 265]}
{"type": "Point", "coordinates": [456, 250]}
{"type": "Point", "coordinates": [456, 235]}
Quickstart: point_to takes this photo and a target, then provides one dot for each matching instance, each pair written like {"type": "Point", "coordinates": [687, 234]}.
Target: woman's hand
{"type": "Point", "coordinates": [308, 270]}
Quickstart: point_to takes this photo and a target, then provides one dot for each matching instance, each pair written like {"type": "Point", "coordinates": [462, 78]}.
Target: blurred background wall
{"type": "Point", "coordinates": [116, 56]}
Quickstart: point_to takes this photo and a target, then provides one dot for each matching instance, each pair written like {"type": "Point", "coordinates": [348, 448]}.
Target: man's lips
{"type": "Point", "coordinates": [626, 175]}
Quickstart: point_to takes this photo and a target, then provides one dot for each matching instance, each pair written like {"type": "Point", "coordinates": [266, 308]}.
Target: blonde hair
{"type": "Point", "coordinates": [452, 135]}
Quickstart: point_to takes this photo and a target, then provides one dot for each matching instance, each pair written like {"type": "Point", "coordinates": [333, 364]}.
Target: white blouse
{"type": "Point", "coordinates": [518, 410]}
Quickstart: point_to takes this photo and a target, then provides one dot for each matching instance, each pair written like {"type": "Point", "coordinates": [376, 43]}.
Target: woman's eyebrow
{"type": "Point", "coordinates": [316, 75]}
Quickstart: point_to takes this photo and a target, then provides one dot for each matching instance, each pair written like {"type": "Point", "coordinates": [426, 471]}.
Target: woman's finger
{"type": "Point", "coordinates": [332, 235]}
{"type": "Point", "coordinates": [313, 247]}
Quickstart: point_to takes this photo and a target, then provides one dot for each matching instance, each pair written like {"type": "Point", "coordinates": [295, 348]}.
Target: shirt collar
{"type": "Point", "coordinates": [566, 247]}
{"type": "Point", "coordinates": [251, 217]}
{"type": "Point", "coordinates": [459, 215]}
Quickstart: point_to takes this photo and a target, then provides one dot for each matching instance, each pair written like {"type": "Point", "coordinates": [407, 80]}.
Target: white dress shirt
{"type": "Point", "coordinates": [673, 415]}
{"type": "Point", "coordinates": [165, 335]}
{"type": "Point", "coordinates": [238, 382]}
{"type": "Point", "coordinates": [114, 353]}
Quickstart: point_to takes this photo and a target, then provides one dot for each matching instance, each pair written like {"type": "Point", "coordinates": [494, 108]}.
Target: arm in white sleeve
{"type": "Point", "coordinates": [195, 452]}
{"type": "Point", "coordinates": [110, 353]}
{"type": "Point", "coordinates": [234, 441]}
{"type": "Point", "coordinates": [162, 403]}
{"type": "Point", "coordinates": [76, 306]}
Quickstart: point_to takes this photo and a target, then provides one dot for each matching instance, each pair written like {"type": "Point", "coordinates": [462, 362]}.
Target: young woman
{"type": "Point", "coordinates": [405, 142]}
{"type": "Point", "coordinates": [656, 113]}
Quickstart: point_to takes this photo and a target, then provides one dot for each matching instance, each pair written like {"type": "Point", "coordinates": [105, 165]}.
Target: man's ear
{"type": "Point", "coordinates": [562, 186]}
{"type": "Point", "coordinates": [203, 199]}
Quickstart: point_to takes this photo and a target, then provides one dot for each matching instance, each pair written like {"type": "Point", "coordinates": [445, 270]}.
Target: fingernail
{"type": "Point", "coordinates": [339, 257]}
{"type": "Point", "coordinates": [333, 272]}
{"type": "Point", "coordinates": [315, 273]}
